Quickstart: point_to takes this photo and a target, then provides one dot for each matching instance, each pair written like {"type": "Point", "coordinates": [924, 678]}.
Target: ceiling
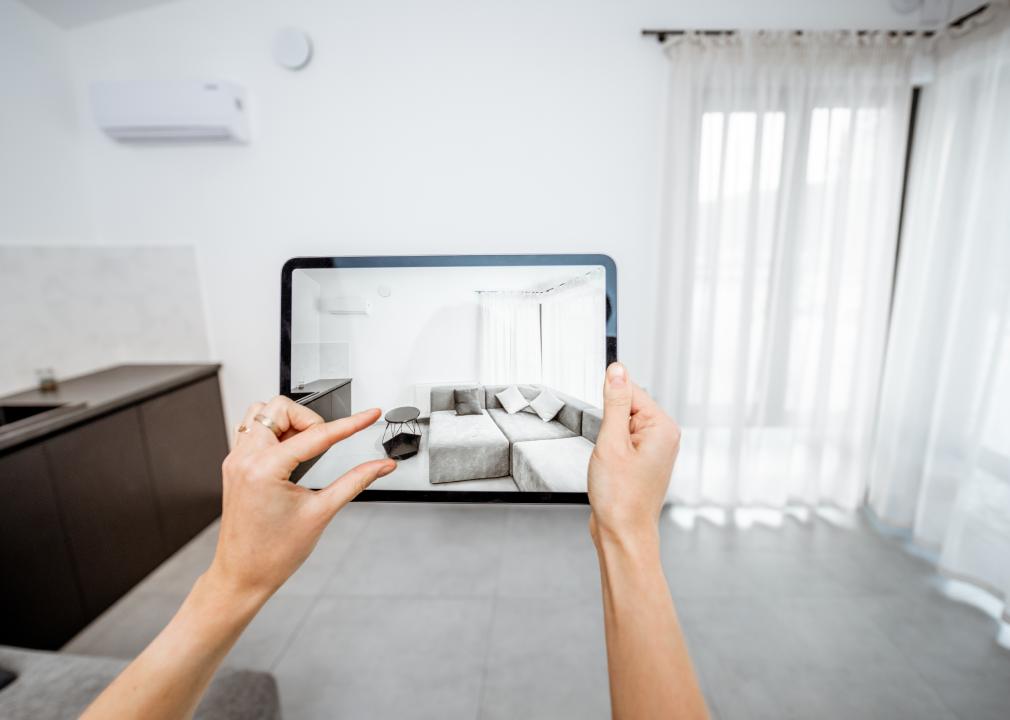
{"type": "Point", "coordinates": [74, 13]}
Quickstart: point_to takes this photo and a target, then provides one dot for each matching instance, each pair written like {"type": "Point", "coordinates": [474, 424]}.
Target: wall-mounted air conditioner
{"type": "Point", "coordinates": [171, 110]}
{"type": "Point", "coordinates": [345, 306]}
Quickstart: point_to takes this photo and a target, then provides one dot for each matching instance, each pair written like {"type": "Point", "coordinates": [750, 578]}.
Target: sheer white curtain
{"type": "Point", "coordinates": [781, 204]}
{"type": "Point", "coordinates": [574, 339]}
{"type": "Point", "coordinates": [941, 466]}
{"type": "Point", "coordinates": [509, 350]}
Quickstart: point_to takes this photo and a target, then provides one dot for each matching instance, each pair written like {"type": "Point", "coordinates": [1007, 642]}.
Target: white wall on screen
{"type": "Point", "coordinates": [425, 332]}
{"type": "Point", "coordinates": [305, 294]}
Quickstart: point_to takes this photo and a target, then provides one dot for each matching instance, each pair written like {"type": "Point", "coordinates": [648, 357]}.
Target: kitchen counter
{"type": "Point", "coordinates": [311, 391]}
{"type": "Point", "coordinates": [98, 393]}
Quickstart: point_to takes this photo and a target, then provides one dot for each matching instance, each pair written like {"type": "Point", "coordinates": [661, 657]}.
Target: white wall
{"type": "Point", "coordinates": [447, 126]}
{"type": "Point", "coordinates": [78, 309]}
{"type": "Point", "coordinates": [42, 190]}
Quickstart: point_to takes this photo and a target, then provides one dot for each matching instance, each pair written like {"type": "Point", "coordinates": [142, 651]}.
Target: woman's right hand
{"type": "Point", "coordinates": [268, 524]}
{"type": "Point", "coordinates": [631, 463]}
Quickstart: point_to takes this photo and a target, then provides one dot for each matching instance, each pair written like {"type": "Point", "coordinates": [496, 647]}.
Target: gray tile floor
{"type": "Point", "coordinates": [412, 611]}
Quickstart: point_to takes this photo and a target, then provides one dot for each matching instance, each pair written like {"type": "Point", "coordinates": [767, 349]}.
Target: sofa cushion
{"type": "Point", "coordinates": [465, 447]}
{"type": "Point", "coordinates": [511, 400]}
{"type": "Point", "coordinates": [491, 392]}
{"type": "Point", "coordinates": [547, 405]}
{"type": "Point", "coordinates": [442, 396]}
{"type": "Point", "coordinates": [466, 402]}
{"type": "Point", "coordinates": [58, 685]}
{"type": "Point", "coordinates": [552, 465]}
{"type": "Point", "coordinates": [526, 426]}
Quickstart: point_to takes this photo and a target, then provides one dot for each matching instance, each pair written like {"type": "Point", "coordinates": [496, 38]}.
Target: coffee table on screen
{"type": "Point", "coordinates": [402, 437]}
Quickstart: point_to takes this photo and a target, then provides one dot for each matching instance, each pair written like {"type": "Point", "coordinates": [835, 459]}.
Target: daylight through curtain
{"type": "Point", "coordinates": [941, 466]}
{"type": "Point", "coordinates": [781, 201]}
{"type": "Point", "coordinates": [509, 350]}
{"type": "Point", "coordinates": [573, 341]}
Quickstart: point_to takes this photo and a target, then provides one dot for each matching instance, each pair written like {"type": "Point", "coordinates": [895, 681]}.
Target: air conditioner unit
{"type": "Point", "coordinates": [171, 110]}
{"type": "Point", "coordinates": [345, 306]}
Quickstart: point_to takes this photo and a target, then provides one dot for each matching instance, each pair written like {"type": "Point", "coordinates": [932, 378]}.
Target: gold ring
{"type": "Point", "coordinates": [242, 428]}
{"type": "Point", "coordinates": [268, 424]}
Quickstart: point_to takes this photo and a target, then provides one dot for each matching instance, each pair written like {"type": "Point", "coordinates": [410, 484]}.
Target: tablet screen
{"type": "Point", "coordinates": [488, 369]}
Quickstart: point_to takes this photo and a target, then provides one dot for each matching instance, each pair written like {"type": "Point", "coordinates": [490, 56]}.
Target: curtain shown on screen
{"type": "Point", "coordinates": [509, 349]}
{"type": "Point", "coordinates": [781, 203]}
{"type": "Point", "coordinates": [573, 340]}
{"type": "Point", "coordinates": [941, 466]}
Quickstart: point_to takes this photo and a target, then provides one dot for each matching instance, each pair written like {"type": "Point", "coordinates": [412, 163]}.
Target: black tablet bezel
{"type": "Point", "coordinates": [464, 496]}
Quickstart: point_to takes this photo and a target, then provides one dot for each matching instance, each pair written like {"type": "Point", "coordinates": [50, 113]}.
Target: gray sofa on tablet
{"type": "Point", "coordinates": [540, 456]}
{"type": "Point", "coordinates": [463, 447]}
{"type": "Point", "coordinates": [557, 465]}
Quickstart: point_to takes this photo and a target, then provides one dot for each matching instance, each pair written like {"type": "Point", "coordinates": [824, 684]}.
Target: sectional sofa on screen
{"type": "Point", "coordinates": [540, 456]}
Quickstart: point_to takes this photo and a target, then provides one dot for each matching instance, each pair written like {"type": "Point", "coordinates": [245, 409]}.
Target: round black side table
{"type": "Point", "coordinates": [401, 438]}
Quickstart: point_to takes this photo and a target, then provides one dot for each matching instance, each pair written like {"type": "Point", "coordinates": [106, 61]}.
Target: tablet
{"type": "Point", "coordinates": [488, 369]}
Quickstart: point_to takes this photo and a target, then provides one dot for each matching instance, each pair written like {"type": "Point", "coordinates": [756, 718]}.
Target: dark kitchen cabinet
{"type": "Point", "coordinates": [186, 443]}
{"type": "Point", "coordinates": [40, 603]}
{"type": "Point", "coordinates": [331, 399]}
{"type": "Point", "coordinates": [333, 405]}
{"type": "Point", "coordinates": [105, 491]}
{"type": "Point", "coordinates": [95, 497]}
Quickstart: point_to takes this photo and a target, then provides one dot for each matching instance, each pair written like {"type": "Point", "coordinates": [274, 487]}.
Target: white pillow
{"type": "Point", "coordinates": [512, 400]}
{"type": "Point", "coordinates": [547, 405]}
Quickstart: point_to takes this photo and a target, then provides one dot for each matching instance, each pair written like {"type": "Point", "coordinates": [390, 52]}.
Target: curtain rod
{"type": "Point", "coordinates": [661, 35]}
{"type": "Point", "coordinates": [560, 285]}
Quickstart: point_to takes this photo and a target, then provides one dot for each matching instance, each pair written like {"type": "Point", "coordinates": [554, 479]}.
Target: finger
{"type": "Point", "coordinates": [648, 417]}
{"type": "Point", "coordinates": [303, 417]}
{"type": "Point", "coordinates": [643, 407]}
{"type": "Point", "coordinates": [261, 436]}
{"type": "Point", "coordinates": [247, 422]}
{"type": "Point", "coordinates": [350, 484]}
{"type": "Point", "coordinates": [618, 392]}
{"type": "Point", "coordinates": [290, 417]}
{"type": "Point", "coordinates": [317, 439]}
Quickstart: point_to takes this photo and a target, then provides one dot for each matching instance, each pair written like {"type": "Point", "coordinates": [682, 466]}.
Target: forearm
{"type": "Point", "coordinates": [169, 677]}
{"type": "Point", "coordinates": [651, 675]}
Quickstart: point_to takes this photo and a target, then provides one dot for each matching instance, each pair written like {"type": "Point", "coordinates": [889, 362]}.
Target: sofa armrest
{"type": "Point", "coordinates": [591, 419]}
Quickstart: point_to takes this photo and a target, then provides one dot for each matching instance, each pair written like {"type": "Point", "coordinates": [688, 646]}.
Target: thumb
{"type": "Point", "coordinates": [347, 487]}
{"type": "Point", "coordinates": [617, 394]}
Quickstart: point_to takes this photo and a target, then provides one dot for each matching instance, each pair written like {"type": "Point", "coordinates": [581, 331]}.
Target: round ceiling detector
{"type": "Point", "coordinates": [292, 48]}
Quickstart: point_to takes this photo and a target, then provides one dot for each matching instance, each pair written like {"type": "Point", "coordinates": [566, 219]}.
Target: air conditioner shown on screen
{"type": "Point", "coordinates": [165, 111]}
{"type": "Point", "coordinates": [341, 305]}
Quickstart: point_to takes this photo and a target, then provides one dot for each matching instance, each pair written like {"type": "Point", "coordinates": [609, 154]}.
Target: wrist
{"type": "Point", "coordinates": [221, 588]}
{"type": "Point", "coordinates": [629, 539]}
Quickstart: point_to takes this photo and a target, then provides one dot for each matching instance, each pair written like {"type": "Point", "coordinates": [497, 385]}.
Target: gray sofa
{"type": "Point", "coordinates": [540, 457]}
{"type": "Point", "coordinates": [54, 686]}
{"type": "Point", "coordinates": [463, 447]}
